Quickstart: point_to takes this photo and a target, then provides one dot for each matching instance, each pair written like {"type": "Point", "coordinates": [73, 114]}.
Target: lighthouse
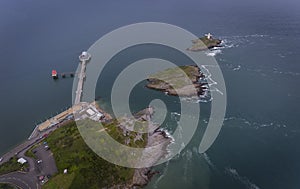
{"type": "Point", "coordinates": [208, 36]}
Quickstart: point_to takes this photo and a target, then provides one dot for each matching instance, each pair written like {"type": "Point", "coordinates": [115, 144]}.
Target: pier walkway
{"type": "Point", "coordinates": [84, 58]}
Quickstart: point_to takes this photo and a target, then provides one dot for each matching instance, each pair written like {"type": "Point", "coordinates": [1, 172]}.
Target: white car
{"type": "Point", "coordinates": [39, 161]}
{"type": "Point", "coordinates": [1, 159]}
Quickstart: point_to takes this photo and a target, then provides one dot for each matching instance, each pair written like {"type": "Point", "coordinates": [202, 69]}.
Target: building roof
{"type": "Point", "coordinates": [90, 111]}
{"type": "Point", "coordinates": [22, 160]}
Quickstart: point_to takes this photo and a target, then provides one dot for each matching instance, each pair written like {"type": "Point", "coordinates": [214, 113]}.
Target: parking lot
{"type": "Point", "coordinates": [45, 163]}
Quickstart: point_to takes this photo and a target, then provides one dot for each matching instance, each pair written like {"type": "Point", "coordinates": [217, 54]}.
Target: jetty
{"type": "Point", "coordinates": [84, 58]}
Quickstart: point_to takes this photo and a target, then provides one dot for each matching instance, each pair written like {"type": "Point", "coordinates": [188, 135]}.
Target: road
{"type": "Point", "coordinates": [21, 180]}
{"type": "Point", "coordinates": [30, 179]}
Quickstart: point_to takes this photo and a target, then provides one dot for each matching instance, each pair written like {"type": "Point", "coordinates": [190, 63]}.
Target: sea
{"type": "Point", "coordinates": [257, 147]}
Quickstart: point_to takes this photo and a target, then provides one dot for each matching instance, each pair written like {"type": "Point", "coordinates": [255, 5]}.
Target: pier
{"type": "Point", "coordinates": [55, 75]}
{"type": "Point", "coordinates": [84, 58]}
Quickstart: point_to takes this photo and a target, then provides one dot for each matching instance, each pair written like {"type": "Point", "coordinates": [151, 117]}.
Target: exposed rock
{"type": "Point", "coordinates": [204, 43]}
{"type": "Point", "coordinates": [179, 81]}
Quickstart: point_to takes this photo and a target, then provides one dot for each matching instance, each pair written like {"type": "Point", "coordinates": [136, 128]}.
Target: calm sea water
{"type": "Point", "coordinates": [257, 147]}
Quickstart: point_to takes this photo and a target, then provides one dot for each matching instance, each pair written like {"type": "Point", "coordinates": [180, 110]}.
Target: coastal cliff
{"type": "Point", "coordinates": [156, 138]}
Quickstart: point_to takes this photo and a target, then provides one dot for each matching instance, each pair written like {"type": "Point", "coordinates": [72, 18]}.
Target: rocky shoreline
{"type": "Point", "coordinates": [204, 43]}
{"type": "Point", "coordinates": [143, 176]}
{"type": "Point", "coordinates": [158, 139]}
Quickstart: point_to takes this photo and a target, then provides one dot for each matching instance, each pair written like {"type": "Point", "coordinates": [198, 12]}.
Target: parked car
{"type": "Point", "coordinates": [39, 161]}
{"type": "Point", "coordinates": [41, 178]}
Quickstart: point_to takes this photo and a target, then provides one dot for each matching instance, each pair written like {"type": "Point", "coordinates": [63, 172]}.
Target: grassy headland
{"type": "Point", "coordinates": [85, 168]}
{"type": "Point", "coordinates": [178, 81]}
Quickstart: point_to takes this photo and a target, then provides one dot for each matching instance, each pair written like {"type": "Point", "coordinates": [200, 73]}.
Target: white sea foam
{"type": "Point", "coordinates": [175, 116]}
{"type": "Point", "coordinates": [176, 113]}
{"type": "Point", "coordinates": [205, 121]}
{"type": "Point", "coordinates": [164, 171]}
{"type": "Point", "coordinates": [209, 162]}
{"type": "Point", "coordinates": [243, 123]}
{"type": "Point", "coordinates": [237, 68]}
{"type": "Point", "coordinates": [244, 180]}
{"type": "Point", "coordinates": [213, 52]}
{"type": "Point", "coordinates": [237, 40]}
{"type": "Point", "coordinates": [188, 162]}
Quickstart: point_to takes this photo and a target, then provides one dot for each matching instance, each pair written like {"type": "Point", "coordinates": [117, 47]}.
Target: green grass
{"type": "Point", "coordinates": [29, 153]}
{"type": "Point", "coordinates": [60, 181]}
{"type": "Point", "coordinates": [175, 76]}
{"type": "Point", "coordinates": [209, 42]}
{"type": "Point", "coordinates": [117, 133]}
{"type": "Point", "coordinates": [85, 168]}
{"type": "Point", "coordinates": [11, 166]}
{"type": "Point", "coordinates": [203, 43]}
{"type": "Point", "coordinates": [7, 186]}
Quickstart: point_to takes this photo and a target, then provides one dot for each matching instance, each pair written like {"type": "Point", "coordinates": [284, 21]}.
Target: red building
{"type": "Point", "coordinates": [54, 74]}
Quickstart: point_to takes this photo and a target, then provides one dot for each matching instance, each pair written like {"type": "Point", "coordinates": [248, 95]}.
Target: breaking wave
{"type": "Point", "coordinates": [209, 162]}
{"type": "Point", "coordinates": [213, 52]}
{"type": "Point", "coordinates": [254, 124]}
{"type": "Point", "coordinates": [164, 171]}
{"type": "Point", "coordinates": [244, 180]}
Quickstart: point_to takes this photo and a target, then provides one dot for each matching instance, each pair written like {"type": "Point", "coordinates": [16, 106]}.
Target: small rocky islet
{"type": "Point", "coordinates": [204, 43]}
{"type": "Point", "coordinates": [179, 81]}
{"type": "Point", "coordinates": [184, 80]}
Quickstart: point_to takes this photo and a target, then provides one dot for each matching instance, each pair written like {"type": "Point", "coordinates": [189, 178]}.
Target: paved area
{"type": "Point", "coordinates": [47, 165]}
{"type": "Point", "coordinates": [80, 82]}
{"type": "Point", "coordinates": [44, 165]}
{"type": "Point", "coordinates": [29, 180]}
{"type": "Point", "coordinates": [21, 180]}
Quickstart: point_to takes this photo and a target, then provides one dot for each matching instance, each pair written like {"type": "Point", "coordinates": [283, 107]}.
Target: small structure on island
{"type": "Point", "coordinates": [208, 36]}
{"type": "Point", "coordinates": [54, 74]}
{"type": "Point", "coordinates": [204, 43]}
{"type": "Point", "coordinates": [22, 161]}
{"type": "Point", "coordinates": [84, 57]}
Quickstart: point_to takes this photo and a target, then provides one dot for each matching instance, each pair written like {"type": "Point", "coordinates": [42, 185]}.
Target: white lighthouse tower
{"type": "Point", "coordinates": [208, 36]}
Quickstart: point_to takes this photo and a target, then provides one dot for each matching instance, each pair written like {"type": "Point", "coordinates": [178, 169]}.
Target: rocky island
{"type": "Point", "coordinates": [178, 81]}
{"type": "Point", "coordinates": [204, 43]}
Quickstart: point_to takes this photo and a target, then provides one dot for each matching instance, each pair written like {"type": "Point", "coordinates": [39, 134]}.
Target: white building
{"type": "Point", "coordinates": [22, 161]}
{"type": "Point", "coordinates": [209, 36]}
{"type": "Point", "coordinates": [90, 112]}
